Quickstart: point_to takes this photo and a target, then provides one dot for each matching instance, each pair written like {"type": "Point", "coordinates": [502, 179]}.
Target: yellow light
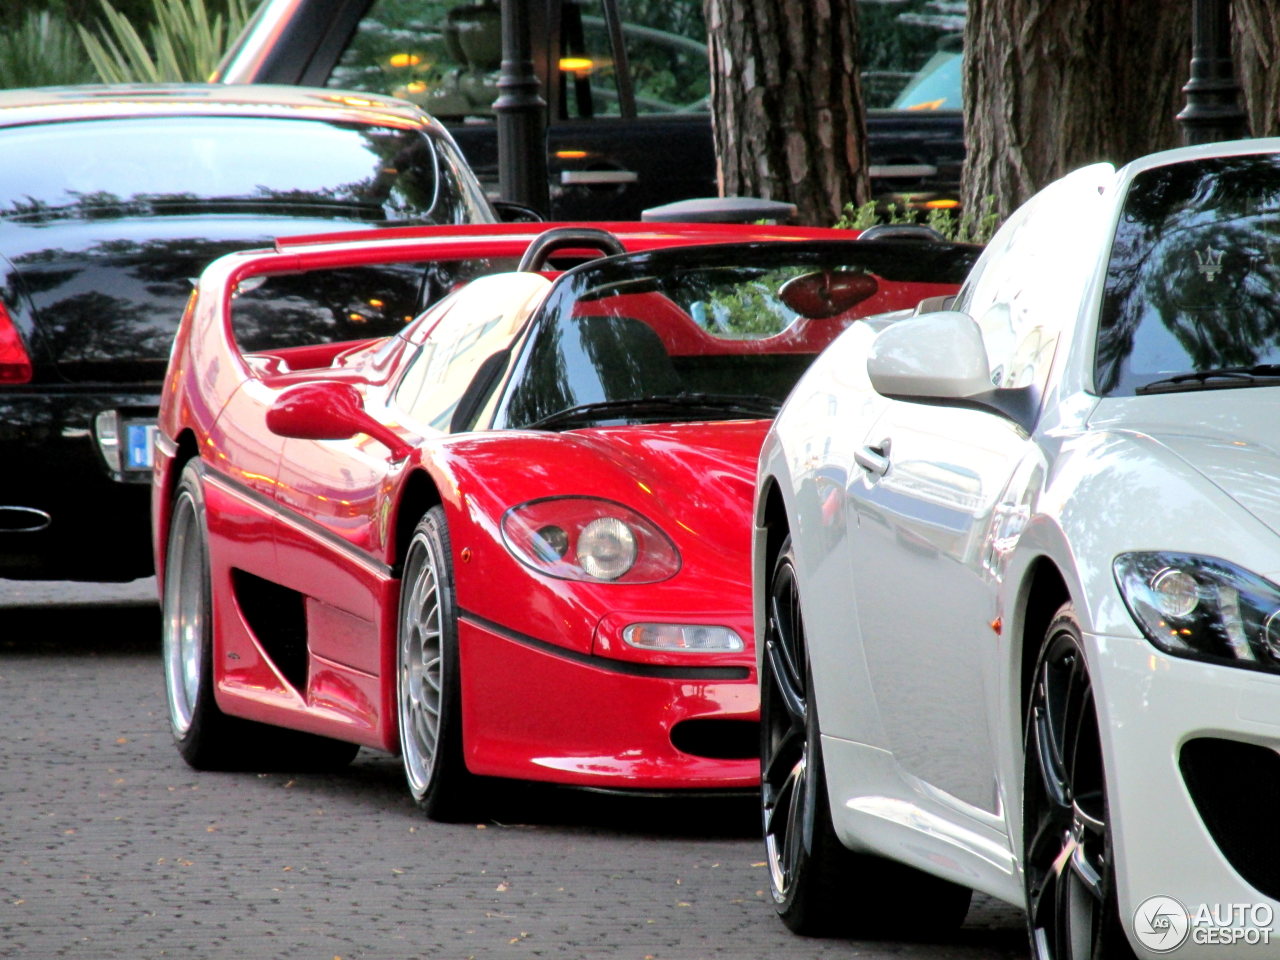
{"type": "Point", "coordinates": [942, 204]}
{"type": "Point", "coordinates": [356, 317]}
{"type": "Point", "coordinates": [571, 154]}
{"type": "Point", "coordinates": [927, 104]}
{"type": "Point", "coordinates": [376, 303]}
{"type": "Point", "coordinates": [405, 60]}
{"type": "Point", "coordinates": [417, 86]}
{"type": "Point", "coordinates": [576, 64]}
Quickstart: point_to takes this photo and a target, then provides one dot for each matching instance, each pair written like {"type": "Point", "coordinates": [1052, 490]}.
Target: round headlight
{"type": "Point", "coordinates": [606, 548]}
{"type": "Point", "coordinates": [1176, 592]}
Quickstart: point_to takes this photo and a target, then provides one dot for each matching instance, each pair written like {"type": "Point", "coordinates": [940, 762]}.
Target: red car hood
{"type": "Point", "coordinates": [703, 474]}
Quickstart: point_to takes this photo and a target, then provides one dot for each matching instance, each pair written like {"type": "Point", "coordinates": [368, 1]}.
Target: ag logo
{"type": "Point", "coordinates": [1161, 924]}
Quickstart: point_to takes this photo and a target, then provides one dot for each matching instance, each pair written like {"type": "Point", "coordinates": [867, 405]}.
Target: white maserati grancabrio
{"type": "Point", "coordinates": [1017, 564]}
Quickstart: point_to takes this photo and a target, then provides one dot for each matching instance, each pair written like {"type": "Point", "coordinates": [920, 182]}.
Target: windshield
{"type": "Point", "coordinates": [149, 166]}
{"type": "Point", "coordinates": [1193, 282]}
{"type": "Point", "coordinates": [714, 333]}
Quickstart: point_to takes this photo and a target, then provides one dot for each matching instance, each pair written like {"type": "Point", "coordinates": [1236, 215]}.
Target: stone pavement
{"type": "Point", "coordinates": [111, 847]}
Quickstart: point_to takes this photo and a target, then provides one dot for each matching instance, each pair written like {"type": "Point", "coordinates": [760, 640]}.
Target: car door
{"type": "Point", "coordinates": [922, 495]}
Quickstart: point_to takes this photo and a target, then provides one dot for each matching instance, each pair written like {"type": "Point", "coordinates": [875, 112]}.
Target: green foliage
{"type": "Point", "coordinates": [184, 42]}
{"type": "Point", "coordinates": [41, 50]}
{"type": "Point", "coordinates": [971, 226]}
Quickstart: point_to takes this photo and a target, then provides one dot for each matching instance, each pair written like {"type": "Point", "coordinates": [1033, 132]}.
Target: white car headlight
{"type": "Point", "coordinates": [1203, 608]}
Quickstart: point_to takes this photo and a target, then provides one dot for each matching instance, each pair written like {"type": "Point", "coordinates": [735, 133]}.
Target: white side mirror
{"type": "Point", "coordinates": [931, 355]}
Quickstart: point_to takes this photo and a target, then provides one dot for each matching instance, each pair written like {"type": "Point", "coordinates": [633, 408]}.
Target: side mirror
{"type": "Point", "coordinates": [329, 410]}
{"type": "Point", "coordinates": [935, 355]}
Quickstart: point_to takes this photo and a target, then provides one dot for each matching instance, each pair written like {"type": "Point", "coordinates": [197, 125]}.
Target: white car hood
{"type": "Point", "coordinates": [1231, 437]}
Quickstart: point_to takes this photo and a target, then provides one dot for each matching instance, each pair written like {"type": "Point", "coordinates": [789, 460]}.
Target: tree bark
{"type": "Point", "coordinates": [786, 103]}
{"type": "Point", "coordinates": [1052, 85]}
{"type": "Point", "coordinates": [1257, 55]}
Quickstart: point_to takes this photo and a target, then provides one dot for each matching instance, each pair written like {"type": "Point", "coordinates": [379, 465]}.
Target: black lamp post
{"type": "Point", "coordinates": [521, 115]}
{"type": "Point", "coordinates": [1213, 110]}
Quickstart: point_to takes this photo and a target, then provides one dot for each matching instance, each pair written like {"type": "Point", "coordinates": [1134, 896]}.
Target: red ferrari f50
{"type": "Point", "coordinates": [495, 522]}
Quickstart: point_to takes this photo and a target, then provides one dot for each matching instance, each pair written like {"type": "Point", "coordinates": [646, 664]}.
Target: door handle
{"type": "Point", "coordinates": [874, 460]}
{"type": "Point", "coordinates": [595, 177]}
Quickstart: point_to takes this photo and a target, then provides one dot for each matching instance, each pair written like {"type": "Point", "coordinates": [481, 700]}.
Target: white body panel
{"type": "Point", "coordinates": [920, 527]}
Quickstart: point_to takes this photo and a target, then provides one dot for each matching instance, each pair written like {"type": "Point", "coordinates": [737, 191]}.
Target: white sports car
{"type": "Point", "coordinates": [1017, 561]}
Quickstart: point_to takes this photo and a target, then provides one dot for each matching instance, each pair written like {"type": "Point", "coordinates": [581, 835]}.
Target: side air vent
{"type": "Point", "coordinates": [277, 617]}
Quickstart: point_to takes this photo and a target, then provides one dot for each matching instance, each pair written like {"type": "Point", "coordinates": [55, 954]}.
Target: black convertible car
{"type": "Point", "coordinates": [113, 199]}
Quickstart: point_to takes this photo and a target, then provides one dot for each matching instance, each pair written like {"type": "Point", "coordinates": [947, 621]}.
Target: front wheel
{"type": "Point", "coordinates": [429, 684]}
{"type": "Point", "coordinates": [820, 887]}
{"type": "Point", "coordinates": [1069, 860]}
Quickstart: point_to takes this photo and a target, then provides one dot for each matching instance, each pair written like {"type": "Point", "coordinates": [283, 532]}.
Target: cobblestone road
{"type": "Point", "coordinates": [110, 847]}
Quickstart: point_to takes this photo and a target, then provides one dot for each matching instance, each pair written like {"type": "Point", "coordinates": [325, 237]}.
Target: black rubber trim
{"type": "Point", "coordinates": [655, 670]}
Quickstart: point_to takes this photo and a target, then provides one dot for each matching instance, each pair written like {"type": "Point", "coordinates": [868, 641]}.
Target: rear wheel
{"type": "Point", "coordinates": [206, 737]}
{"type": "Point", "coordinates": [819, 886]}
{"type": "Point", "coordinates": [429, 685]}
{"type": "Point", "coordinates": [1069, 863]}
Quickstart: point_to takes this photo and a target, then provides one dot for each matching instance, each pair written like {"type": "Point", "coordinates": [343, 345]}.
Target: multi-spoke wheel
{"type": "Point", "coordinates": [1069, 865]}
{"type": "Point", "coordinates": [203, 734]}
{"type": "Point", "coordinates": [818, 885]}
{"type": "Point", "coordinates": [428, 686]}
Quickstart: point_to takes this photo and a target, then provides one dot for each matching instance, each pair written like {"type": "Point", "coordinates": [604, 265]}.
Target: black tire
{"type": "Point", "coordinates": [1068, 860]}
{"type": "Point", "coordinates": [203, 734]}
{"type": "Point", "coordinates": [428, 679]}
{"type": "Point", "coordinates": [819, 887]}
{"type": "Point", "coordinates": [206, 737]}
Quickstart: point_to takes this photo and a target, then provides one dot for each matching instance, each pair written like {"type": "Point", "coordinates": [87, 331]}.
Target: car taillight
{"type": "Point", "coordinates": [15, 365]}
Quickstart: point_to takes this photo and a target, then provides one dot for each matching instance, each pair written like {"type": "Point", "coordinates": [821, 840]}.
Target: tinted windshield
{"type": "Point", "coordinates": [1193, 283]}
{"type": "Point", "coordinates": [720, 333]}
{"type": "Point", "coordinates": [260, 165]}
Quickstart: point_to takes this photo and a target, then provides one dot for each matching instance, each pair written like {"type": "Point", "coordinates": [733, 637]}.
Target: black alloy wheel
{"type": "Point", "coordinates": [820, 887]}
{"type": "Point", "coordinates": [1069, 863]}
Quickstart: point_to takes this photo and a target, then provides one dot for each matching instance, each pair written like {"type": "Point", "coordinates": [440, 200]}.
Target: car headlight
{"type": "Point", "coordinates": [1203, 608]}
{"type": "Point", "coordinates": [587, 538]}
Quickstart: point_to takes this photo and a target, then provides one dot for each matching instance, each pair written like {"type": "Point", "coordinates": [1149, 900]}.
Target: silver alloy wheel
{"type": "Point", "coordinates": [419, 687]}
{"type": "Point", "coordinates": [184, 613]}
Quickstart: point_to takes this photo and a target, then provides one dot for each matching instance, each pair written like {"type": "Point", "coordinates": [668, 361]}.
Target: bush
{"type": "Point", "coordinates": [42, 50]}
{"type": "Point", "coordinates": [185, 42]}
{"type": "Point", "coordinates": [969, 227]}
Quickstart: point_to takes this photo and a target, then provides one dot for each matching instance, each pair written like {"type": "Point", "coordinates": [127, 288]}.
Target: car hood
{"type": "Point", "coordinates": [1227, 436]}
{"type": "Point", "coordinates": [104, 296]}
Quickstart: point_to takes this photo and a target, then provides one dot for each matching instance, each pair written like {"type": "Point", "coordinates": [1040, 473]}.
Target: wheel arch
{"type": "Point", "coordinates": [1044, 590]}
{"type": "Point", "coordinates": [420, 493]}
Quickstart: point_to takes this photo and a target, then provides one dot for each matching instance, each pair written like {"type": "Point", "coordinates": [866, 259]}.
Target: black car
{"type": "Point", "coordinates": [626, 84]}
{"type": "Point", "coordinates": [112, 201]}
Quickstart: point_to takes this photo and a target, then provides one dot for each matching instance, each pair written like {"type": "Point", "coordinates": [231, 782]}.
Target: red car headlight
{"type": "Point", "coordinates": [585, 538]}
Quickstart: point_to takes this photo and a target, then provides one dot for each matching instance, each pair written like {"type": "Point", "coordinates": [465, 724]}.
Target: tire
{"type": "Point", "coordinates": [428, 680]}
{"type": "Point", "coordinates": [1068, 859]}
{"type": "Point", "coordinates": [819, 887]}
{"type": "Point", "coordinates": [203, 734]}
{"type": "Point", "coordinates": [206, 737]}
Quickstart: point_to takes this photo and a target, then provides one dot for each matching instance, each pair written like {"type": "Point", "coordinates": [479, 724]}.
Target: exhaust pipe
{"type": "Point", "coordinates": [23, 520]}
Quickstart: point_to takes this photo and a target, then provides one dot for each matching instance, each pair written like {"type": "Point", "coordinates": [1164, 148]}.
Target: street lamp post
{"type": "Point", "coordinates": [1213, 110]}
{"type": "Point", "coordinates": [521, 115]}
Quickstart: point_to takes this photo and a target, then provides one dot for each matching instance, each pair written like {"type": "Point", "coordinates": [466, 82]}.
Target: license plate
{"type": "Point", "coordinates": [139, 440]}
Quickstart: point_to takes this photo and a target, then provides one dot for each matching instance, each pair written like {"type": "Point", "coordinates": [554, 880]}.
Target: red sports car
{"type": "Point", "coordinates": [511, 539]}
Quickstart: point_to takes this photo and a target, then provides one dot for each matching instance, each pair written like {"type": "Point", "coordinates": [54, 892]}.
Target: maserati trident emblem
{"type": "Point", "coordinates": [1209, 263]}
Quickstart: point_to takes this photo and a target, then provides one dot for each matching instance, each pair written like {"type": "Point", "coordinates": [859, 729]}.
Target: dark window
{"type": "Point", "coordinates": [1193, 280]}
{"type": "Point", "coordinates": [203, 165]}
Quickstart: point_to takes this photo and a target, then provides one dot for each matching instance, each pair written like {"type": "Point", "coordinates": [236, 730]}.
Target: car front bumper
{"type": "Point", "coordinates": [535, 712]}
{"type": "Point", "coordinates": [1193, 771]}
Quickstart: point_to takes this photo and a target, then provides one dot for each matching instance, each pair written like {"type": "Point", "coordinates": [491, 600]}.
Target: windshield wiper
{"type": "Point", "coordinates": [683, 406]}
{"type": "Point", "coordinates": [1220, 378]}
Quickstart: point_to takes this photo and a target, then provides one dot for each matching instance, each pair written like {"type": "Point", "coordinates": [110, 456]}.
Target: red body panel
{"type": "Point", "coordinates": [550, 690]}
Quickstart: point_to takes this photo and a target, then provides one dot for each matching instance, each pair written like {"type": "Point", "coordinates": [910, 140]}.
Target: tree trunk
{"type": "Point", "coordinates": [1257, 55]}
{"type": "Point", "coordinates": [1051, 85]}
{"type": "Point", "coordinates": [786, 103]}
